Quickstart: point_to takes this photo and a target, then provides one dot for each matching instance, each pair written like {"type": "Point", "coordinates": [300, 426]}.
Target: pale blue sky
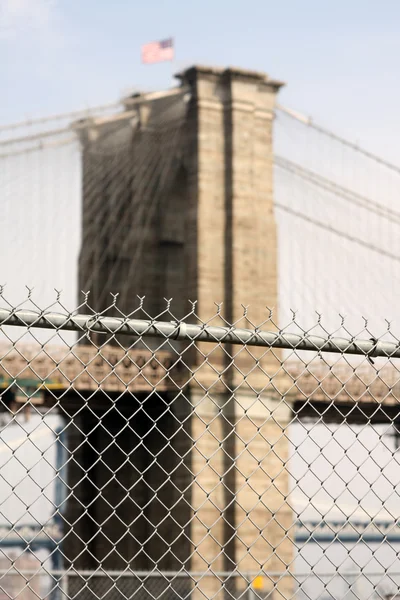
{"type": "Point", "coordinates": [340, 59]}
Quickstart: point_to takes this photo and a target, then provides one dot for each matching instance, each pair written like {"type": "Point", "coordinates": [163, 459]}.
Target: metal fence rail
{"type": "Point", "coordinates": [177, 458]}
{"type": "Point", "coordinates": [180, 330]}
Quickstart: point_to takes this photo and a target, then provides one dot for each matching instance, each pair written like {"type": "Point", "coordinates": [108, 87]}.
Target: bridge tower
{"type": "Point", "coordinates": [178, 203]}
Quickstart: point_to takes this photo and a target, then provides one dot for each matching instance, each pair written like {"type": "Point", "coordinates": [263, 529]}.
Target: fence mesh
{"type": "Point", "coordinates": [144, 456]}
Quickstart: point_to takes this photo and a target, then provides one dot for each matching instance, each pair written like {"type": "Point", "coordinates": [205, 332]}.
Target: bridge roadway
{"type": "Point", "coordinates": [45, 376]}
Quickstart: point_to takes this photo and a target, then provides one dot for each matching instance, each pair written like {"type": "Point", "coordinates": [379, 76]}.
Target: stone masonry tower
{"type": "Point", "coordinates": [196, 163]}
{"type": "Point", "coordinates": [178, 203]}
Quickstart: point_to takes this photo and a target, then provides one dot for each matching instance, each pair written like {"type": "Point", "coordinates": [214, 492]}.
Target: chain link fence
{"type": "Point", "coordinates": [150, 457]}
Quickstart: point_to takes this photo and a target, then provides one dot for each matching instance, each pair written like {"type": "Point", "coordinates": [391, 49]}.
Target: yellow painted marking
{"type": "Point", "coordinates": [258, 583]}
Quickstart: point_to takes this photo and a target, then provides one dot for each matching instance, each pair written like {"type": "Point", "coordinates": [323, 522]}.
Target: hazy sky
{"type": "Point", "coordinates": [339, 59]}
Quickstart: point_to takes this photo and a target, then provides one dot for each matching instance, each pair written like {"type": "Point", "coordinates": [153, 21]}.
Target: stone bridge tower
{"type": "Point", "coordinates": [196, 164]}
{"type": "Point", "coordinates": [178, 203]}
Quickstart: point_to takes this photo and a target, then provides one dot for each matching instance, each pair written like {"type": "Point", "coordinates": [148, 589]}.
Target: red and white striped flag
{"type": "Point", "coordinates": [158, 51]}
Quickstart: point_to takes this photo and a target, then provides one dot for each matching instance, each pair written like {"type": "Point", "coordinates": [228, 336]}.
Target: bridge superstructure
{"type": "Point", "coordinates": [29, 376]}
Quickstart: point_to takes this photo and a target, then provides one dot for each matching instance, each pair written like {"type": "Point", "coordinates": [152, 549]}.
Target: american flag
{"type": "Point", "coordinates": [158, 51]}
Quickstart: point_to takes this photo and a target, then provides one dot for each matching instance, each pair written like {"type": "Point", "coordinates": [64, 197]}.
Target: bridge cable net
{"type": "Point", "coordinates": [125, 178]}
{"type": "Point", "coordinates": [338, 220]}
{"type": "Point", "coordinates": [163, 457]}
